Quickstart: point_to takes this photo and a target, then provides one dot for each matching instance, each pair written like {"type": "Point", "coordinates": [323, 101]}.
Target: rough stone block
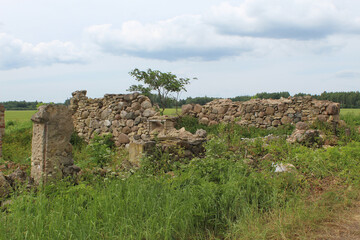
{"type": "Point", "coordinates": [51, 157]}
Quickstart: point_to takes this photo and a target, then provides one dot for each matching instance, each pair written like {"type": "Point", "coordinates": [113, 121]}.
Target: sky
{"type": "Point", "coordinates": [49, 49]}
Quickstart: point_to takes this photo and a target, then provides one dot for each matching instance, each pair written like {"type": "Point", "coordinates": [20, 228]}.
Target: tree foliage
{"type": "Point", "coordinates": [19, 105]}
{"type": "Point", "coordinates": [162, 83]}
{"type": "Point", "coordinates": [274, 95]}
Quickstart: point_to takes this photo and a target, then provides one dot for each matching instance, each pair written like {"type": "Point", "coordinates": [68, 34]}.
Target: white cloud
{"type": "Point", "coordinates": [176, 38]}
{"type": "Point", "coordinates": [254, 26]}
{"type": "Point", "coordinates": [15, 53]}
{"type": "Point", "coordinates": [347, 74]}
{"type": "Point", "coordinates": [283, 19]}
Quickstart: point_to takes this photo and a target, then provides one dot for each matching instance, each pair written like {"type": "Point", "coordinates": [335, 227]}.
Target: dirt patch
{"type": "Point", "coordinates": [344, 226]}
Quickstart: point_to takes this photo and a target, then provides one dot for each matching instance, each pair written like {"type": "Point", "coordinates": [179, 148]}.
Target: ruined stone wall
{"type": "Point", "coordinates": [125, 116]}
{"type": "Point", "coordinates": [51, 153]}
{"type": "Point", "coordinates": [265, 113]}
{"type": "Point", "coordinates": [2, 126]}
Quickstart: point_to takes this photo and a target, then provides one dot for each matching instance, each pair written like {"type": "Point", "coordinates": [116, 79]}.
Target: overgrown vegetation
{"type": "Point", "coordinates": [231, 193]}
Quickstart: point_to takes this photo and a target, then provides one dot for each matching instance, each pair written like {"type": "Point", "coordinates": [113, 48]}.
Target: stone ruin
{"type": "Point", "coordinates": [132, 121]}
{"type": "Point", "coordinates": [125, 116]}
{"type": "Point", "coordinates": [2, 126]}
{"type": "Point", "coordinates": [51, 157]}
{"type": "Point", "coordinates": [306, 136]}
{"type": "Point", "coordinates": [265, 113]}
{"type": "Point", "coordinates": [164, 136]}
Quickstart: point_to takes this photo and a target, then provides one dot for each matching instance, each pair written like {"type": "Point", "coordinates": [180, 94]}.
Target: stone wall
{"type": "Point", "coordinates": [2, 126]}
{"type": "Point", "coordinates": [125, 116]}
{"type": "Point", "coordinates": [164, 137]}
{"type": "Point", "coordinates": [265, 113]}
{"type": "Point", "coordinates": [51, 153]}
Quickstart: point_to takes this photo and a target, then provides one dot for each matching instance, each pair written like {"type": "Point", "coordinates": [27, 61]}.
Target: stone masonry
{"type": "Point", "coordinates": [265, 113]}
{"type": "Point", "coordinates": [165, 137]}
{"type": "Point", "coordinates": [125, 116]}
{"type": "Point", "coordinates": [51, 157]}
{"type": "Point", "coordinates": [2, 126]}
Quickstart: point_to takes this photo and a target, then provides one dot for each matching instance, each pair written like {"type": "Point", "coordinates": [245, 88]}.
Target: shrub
{"type": "Point", "coordinates": [191, 124]}
{"type": "Point", "coordinates": [99, 149]}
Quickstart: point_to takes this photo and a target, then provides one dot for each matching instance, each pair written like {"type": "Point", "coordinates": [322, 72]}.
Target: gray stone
{"type": "Point", "coordinates": [275, 123]}
{"type": "Point", "coordinates": [201, 133]}
{"type": "Point", "coordinates": [333, 109]}
{"type": "Point", "coordinates": [149, 113]}
{"type": "Point", "coordinates": [197, 108]}
{"type": "Point", "coordinates": [16, 177]}
{"type": "Point", "coordinates": [285, 120]}
{"type": "Point", "coordinates": [135, 106]}
{"type": "Point", "coordinates": [222, 110]}
{"type": "Point", "coordinates": [284, 167]}
{"type": "Point", "coordinates": [129, 97]}
{"type": "Point", "coordinates": [126, 130]}
{"type": "Point", "coordinates": [186, 108]}
{"type": "Point", "coordinates": [322, 118]}
{"type": "Point", "coordinates": [137, 120]}
{"type": "Point", "coordinates": [123, 139]}
{"type": "Point", "coordinates": [130, 115]}
{"type": "Point", "coordinates": [105, 114]}
{"type": "Point", "coordinates": [130, 123]}
{"type": "Point", "coordinates": [107, 123]}
{"type": "Point", "coordinates": [146, 104]}
{"type": "Point", "coordinates": [270, 111]}
{"type": "Point", "coordinates": [85, 114]}
{"type": "Point", "coordinates": [5, 187]}
{"type": "Point", "coordinates": [123, 114]}
{"type": "Point", "coordinates": [302, 126]}
{"type": "Point", "coordinates": [204, 121]}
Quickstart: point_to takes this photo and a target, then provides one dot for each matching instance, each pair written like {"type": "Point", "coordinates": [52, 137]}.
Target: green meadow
{"type": "Point", "coordinates": [19, 115]}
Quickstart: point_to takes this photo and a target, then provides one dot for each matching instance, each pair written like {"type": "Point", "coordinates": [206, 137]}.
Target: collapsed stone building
{"type": "Point", "coordinates": [131, 119]}
{"type": "Point", "coordinates": [2, 126]}
{"type": "Point", "coordinates": [265, 113]}
{"type": "Point", "coordinates": [164, 136]}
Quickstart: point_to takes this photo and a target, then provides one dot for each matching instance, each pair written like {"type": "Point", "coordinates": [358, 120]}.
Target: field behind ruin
{"type": "Point", "coordinates": [231, 193]}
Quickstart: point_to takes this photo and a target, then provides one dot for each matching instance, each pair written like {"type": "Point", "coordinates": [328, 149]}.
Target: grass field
{"type": "Point", "coordinates": [19, 115]}
{"type": "Point", "coordinates": [349, 110]}
{"type": "Point", "coordinates": [172, 111]}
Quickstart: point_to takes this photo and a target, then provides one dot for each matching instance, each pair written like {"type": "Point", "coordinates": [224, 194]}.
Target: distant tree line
{"type": "Point", "coordinates": [346, 99]}
{"type": "Point", "coordinates": [19, 105]}
{"type": "Point", "coordinates": [24, 105]}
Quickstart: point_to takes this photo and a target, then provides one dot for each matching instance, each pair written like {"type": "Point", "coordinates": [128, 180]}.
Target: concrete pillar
{"type": "Point", "coordinates": [51, 157]}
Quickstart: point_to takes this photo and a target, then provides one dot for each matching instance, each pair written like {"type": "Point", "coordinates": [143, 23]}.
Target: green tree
{"type": "Point", "coordinates": [162, 83]}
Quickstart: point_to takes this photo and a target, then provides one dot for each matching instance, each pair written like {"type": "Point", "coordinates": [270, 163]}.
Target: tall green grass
{"type": "Point", "coordinates": [17, 142]}
{"type": "Point", "coordinates": [190, 206]}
